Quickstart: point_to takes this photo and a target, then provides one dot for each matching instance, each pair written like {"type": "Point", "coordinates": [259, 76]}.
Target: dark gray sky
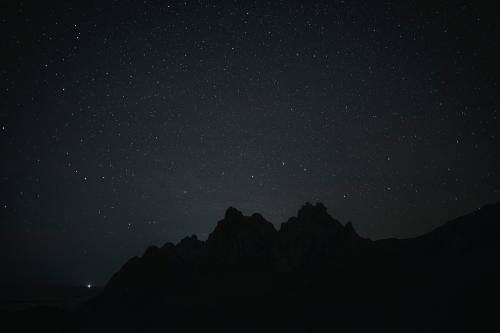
{"type": "Point", "coordinates": [130, 123]}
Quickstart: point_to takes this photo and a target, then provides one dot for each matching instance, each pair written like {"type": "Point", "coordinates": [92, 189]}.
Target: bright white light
{"type": "Point", "coordinates": [89, 286]}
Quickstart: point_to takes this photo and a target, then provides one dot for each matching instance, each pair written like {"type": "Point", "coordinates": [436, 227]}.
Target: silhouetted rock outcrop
{"type": "Point", "coordinates": [314, 237]}
{"type": "Point", "coordinates": [242, 242]}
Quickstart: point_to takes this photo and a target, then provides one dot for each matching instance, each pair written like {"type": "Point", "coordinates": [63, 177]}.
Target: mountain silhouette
{"type": "Point", "coordinates": [311, 240]}
{"type": "Point", "coordinates": [313, 274]}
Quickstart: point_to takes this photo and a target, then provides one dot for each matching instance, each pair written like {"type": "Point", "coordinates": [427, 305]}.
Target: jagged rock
{"type": "Point", "coordinates": [241, 241]}
{"type": "Point", "coordinates": [156, 267]}
{"type": "Point", "coordinates": [190, 248]}
{"type": "Point", "coordinates": [313, 237]}
{"type": "Point", "coordinates": [349, 230]}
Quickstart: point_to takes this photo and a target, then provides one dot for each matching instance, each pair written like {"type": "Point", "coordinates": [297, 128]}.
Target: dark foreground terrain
{"type": "Point", "coordinates": [314, 274]}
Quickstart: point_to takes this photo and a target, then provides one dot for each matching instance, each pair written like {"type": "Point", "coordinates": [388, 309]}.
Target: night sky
{"type": "Point", "coordinates": [130, 123]}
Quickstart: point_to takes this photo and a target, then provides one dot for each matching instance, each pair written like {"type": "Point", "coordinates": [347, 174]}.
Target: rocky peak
{"type": "Point", "coordinates": [349, 230]}
{"type": "Point", "coordinates": [312, 217]}
{"type": "Point", "coordinates": [241, 240]}
{"type": "Point", "coordinates": [309, 211]}
{"type": "Point", "coordinates": [232, 214]}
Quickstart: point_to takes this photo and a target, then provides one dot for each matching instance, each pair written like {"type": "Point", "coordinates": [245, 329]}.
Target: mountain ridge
{"type": "Point", "coordinates": [312, 238]}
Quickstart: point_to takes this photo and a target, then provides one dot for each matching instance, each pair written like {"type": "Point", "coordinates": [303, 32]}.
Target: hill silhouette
{"type": "Point", "coordinates": [313, 274]}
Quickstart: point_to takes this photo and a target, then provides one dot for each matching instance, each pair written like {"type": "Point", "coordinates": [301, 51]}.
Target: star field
{"type": "Point", "coordinates": [126, 123]}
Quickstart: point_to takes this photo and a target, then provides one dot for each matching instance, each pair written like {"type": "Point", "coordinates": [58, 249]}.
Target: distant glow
{"type": "Point", "coordinates": [89, 286]}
